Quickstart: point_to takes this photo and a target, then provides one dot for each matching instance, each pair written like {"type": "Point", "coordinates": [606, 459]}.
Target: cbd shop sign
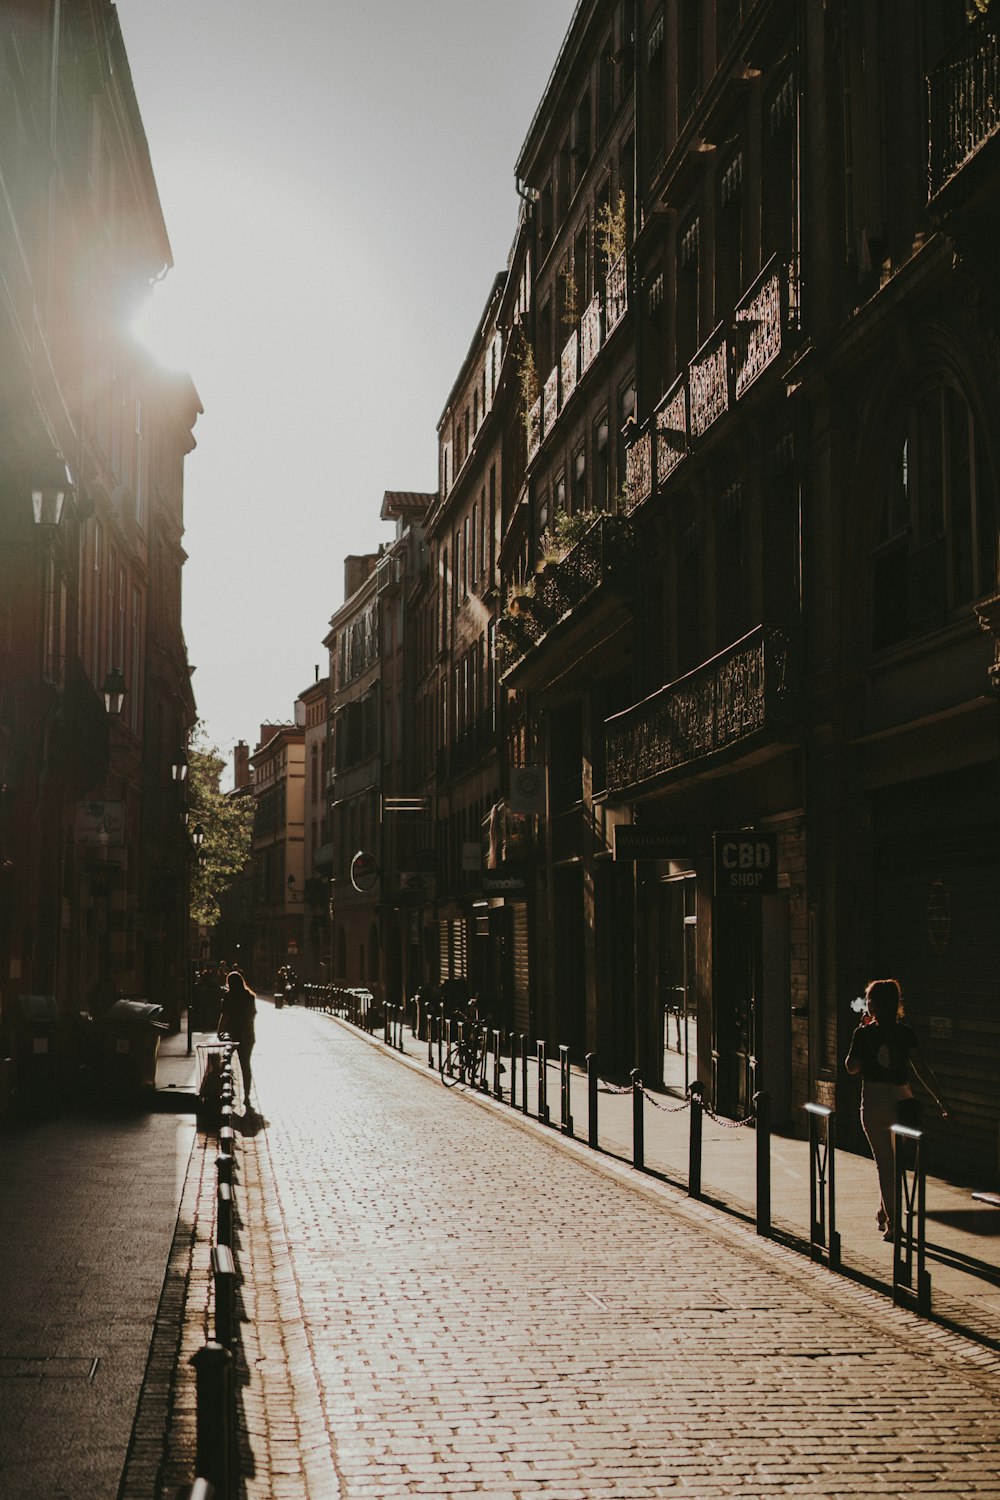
{"type": "Point", "coordinates": [746, 863]}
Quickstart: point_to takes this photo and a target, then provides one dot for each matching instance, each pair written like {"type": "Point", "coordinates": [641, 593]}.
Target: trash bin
{"type": "Point", "coordinates": [36, 1053]}
{"type": "Point", "coordinates": [131, 1043]}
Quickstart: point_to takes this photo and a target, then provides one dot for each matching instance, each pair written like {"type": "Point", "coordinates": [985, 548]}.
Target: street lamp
{"type": "Point", "coordinates": [114, 692]}
{"type": "Point", "coordinates": [179, 766]}
{"type": "Point", "coordinates": [197, 836]}
{"type": "Point", "coordinates": [50, 485]}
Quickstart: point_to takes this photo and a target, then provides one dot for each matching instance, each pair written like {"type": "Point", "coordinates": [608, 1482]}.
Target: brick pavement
{"type": "Point", "coordinates": [445, 1300]}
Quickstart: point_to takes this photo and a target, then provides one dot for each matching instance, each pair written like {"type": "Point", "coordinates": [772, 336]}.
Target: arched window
{"type": "Point", "coordinates": [936, 547]}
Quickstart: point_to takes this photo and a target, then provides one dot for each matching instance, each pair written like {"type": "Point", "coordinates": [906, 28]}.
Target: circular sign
{"type": "Point", "coordinates": [364, 871]}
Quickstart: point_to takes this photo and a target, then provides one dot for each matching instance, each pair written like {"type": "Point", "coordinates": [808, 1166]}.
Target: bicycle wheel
{"type": "Point", "coordinates": [451, 1066]}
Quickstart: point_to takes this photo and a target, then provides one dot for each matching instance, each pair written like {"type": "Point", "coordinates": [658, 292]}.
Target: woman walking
{"type": "Point", "coordinates": [239, 1008]}
{"type": "Point", "coordinates": [885, 1052]}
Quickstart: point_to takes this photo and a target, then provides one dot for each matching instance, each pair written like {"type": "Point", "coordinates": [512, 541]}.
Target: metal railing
{"type": "Point", "coordinates": [963, 101]}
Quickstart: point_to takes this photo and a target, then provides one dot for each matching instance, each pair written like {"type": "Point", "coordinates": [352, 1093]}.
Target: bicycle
{"type": "Point", "coordinates": [465, 1060]}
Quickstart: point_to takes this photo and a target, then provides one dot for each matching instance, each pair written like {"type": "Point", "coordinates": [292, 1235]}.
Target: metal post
{"type": "Point", "coordinates": [592, 1135]}
{"type": "Point", "coordinates": [696, 1095]}
{"type": "Point", "coordinates": [513, 1071]}
{"type": "Point", "coordinates": [762, 1111]}
{"type": "Point", "coordinates": [224, 1214]}
{"type": "Point", "coordinates": [461, 1051]}
{"type": "Point", "coordinates": [213, 1367]}
{"type": "Point", "coordinates": [543, 1081]}
{"type": "Point", "coordinates": [638, 1142]}
{"type": "Point", "coordinates": [224, 1276]}
{"type": "Point", "coordinates": [823, 1236]}
{"type": "Point", "coordinates": [497, 1085]}
{"type": "Point", "coordinates": [565, 1075]}
{"type": "Point", "coordinates": [909, 1219]}
{"type": "Point", "coordinates": [524, 1074]}
{"type": "Point", "coordinates": [224, 1167]}
{"type": "Point", "coordinates": [430, 1040]}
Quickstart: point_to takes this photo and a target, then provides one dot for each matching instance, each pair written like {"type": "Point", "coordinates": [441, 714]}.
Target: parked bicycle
{"type": "Point", "coordinates": [464, 1061]}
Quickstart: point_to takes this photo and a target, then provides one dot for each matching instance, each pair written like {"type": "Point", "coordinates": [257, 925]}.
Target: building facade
{"type": "Point", "coordinates": [95, 858]}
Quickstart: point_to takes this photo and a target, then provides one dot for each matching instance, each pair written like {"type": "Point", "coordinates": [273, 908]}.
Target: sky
{"type": "Point", "coordinates": [337, 180]}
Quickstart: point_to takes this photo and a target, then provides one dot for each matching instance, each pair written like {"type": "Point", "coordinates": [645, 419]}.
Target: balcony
{"type": "Point", "coordinates": [708, 382]}
{"type": "Point", "coordinates": [588, 587]}
{"type": "Point", "coordinates": [963, 99]}
{"type": "Point", "coordinates": [671, 423]}
{"type": "Point", "coordinates": [550, 401]}
{"type": "Point", "coordinates": [569, 364]}
{"type": "Point", "coordinates": [590, 335]}
{"type": "Point", "coordinates": [639, 469]}
{"type": "Point", "coordinates": [616, 295]}
{"type": "Point", "coordinates": [741, 701]}
{"type": "Point", "coordinates": [533, 423]}
{"type": "Point", "coordinates": [765, 315]}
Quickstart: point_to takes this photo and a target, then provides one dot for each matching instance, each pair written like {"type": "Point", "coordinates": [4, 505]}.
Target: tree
{"type": "Point", "coordinates": [227, 821]}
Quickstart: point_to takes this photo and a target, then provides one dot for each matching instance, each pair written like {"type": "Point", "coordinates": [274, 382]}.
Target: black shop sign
{"type": "Point", "coordinates": [746, 863]}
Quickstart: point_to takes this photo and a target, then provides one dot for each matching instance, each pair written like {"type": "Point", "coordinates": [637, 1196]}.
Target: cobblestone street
{"type": "Point", "coordinates": [443, 1300]}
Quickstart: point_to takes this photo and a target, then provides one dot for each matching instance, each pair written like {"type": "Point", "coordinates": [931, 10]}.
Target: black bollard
{"type": "Point", "coordinates": [224, 1214]}
{"type": "Point", "coordinates": [430, 1040]}
{"type": "Point", "coordinates": [638, 1138]}
{"type": "Point", "coordinates": [592, 1135]}
{"type": "Point", "coordinates": [213, 1367]}
{"type": "Point", "coordinates": [224, 1276]}
{"type": "Point", "coordinates": [543, 1084]}
{"type": "Point", "coordinates": [524, 1074]}
{"type": "Point", "coordinates": [762, 1112]}
{"type": "Point", "coordinates": [497, 1067]}
{"type": "Point", "coordinates": [695, 1094]}
{"type": "Point", "coordinates": [565, 1076]}
{"type": "Point", "coordinates": [224, 1167]}
{"type": "Point", "coordinates": [226, 1138]}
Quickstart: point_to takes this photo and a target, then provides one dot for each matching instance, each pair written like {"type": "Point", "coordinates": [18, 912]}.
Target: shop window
{"type": "Point", "coordinates": [936, 548]}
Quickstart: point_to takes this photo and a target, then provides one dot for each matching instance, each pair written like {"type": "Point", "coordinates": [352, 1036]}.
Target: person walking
{"type": "Point", "coordinates": [239, 1009]}
{"type": "Point", "coordinates": [885, 1051]}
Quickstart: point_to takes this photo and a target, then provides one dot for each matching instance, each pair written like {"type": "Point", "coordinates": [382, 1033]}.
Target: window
{"type": "Point", "coordinates": [688, 59]}
{"type": "Point", "coordinates": [936, 549]}
{"type": "Point", "coordinates": [688, 292]}
{"type": "Point", "coordinates": [655, 96]}
{"type": "Point", "coordinates": [601, 475]}
{"type": "Point", "coordinates": [729, 237]}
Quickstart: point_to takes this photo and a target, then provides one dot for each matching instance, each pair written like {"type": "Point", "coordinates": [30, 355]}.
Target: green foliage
{"type": "Point", "coordinates": [227, 819]}
{"type": "Point", "coordinates": [564, 533]}
{"type": "Point", "coordinates": [527, 373]}
{"type": "Point", "coordinates": [612, 227]}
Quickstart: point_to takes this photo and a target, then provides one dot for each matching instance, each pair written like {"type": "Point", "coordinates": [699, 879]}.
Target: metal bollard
{"type": "Point", "coordinates": [224, 1167]}
{"type": "Point", "coordinates": [762, 1112]}
{"type": "Point", "coordinates": [696, 1096]}
{"type": "Point", "coordinates": [513, 1071]}
{"type": "Point", "coordinates": [909, 1195]}
{"type": "Point", "coordinates": [543, 1084]}
{"type": "Point", "coordinates": [213, 1367]}
{"type": "Point", "coordinates": [524, 1074]}
{"type": "Point", "coordinates": [565, 1075]}
{"type": "Point", "coordinates": [638, 1141]}
{"type": "Point", "coordinates": [592, 1135]}
{"type": "Point", "coordinates": [224, 1277]}
{"type": "Point", "coordinates": [224, 1214]}
{"type": "Point", "coordinates": [497, 1066]}
{"type": "Point", "coordinates": [226, 1138]}
{"type": "Point", "coordinates": [430, 1040]}
{"type": "Point", "coordinates": [460, 1028]}
{"type": "Point", "coordinates": [200, 1490]}
{"type": "Point", "coordinates": [823, 1236]}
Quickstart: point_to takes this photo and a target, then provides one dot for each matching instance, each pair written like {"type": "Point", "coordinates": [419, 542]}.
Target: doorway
{"type": "Point", "coordinates": [678, 981]}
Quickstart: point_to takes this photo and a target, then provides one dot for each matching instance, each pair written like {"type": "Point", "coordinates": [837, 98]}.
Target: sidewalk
{"type": "Point", "coordinates": [88, 1214]}
{"type": "Point", "coordinates": [963, 1234]}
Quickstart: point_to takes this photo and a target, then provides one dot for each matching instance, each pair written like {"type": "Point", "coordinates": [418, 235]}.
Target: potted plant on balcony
{"type": "Point", "coordinates": [562, 536]}
{"type": "Point", "coordinates": [520, 599]}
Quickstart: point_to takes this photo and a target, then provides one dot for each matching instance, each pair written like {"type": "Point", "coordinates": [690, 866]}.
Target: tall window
{"type": "Point", "coordinates": [936, 548]}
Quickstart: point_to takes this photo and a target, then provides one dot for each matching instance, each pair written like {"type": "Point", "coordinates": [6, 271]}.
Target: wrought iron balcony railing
{"type": "Point", "coordinates": [671, 422]}
{"type": "Point", "coordinates": [747, 692]}
{"type": "Point", "coordinates": [639, 469]}
{"type": "Point", "coordinates": [604, 554]}
{"type": "Point", "coordinates": [569, 364]}
{"type": "Point", "coordinates": [550, 401]}
{"type": "Point", "coordinates": [616, 294]}
{"type": "Point", "coordinates": [765, 315]}
{"type": "Point", "coordinates": [533, 423]}
{"type": "Point", "coordinates": [590, 334]}
{"type": "Point", "coordinates": [709, 383]}
{"type": "Point", "coordinates": [963, 101]}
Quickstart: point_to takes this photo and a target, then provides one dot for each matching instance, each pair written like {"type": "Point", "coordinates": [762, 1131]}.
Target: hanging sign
{"type": "Point", "coordinates": [746, 863]}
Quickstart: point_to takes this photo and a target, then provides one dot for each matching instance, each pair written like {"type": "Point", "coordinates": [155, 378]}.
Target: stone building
{"type": "Point", "coordinates": [95, 858]}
